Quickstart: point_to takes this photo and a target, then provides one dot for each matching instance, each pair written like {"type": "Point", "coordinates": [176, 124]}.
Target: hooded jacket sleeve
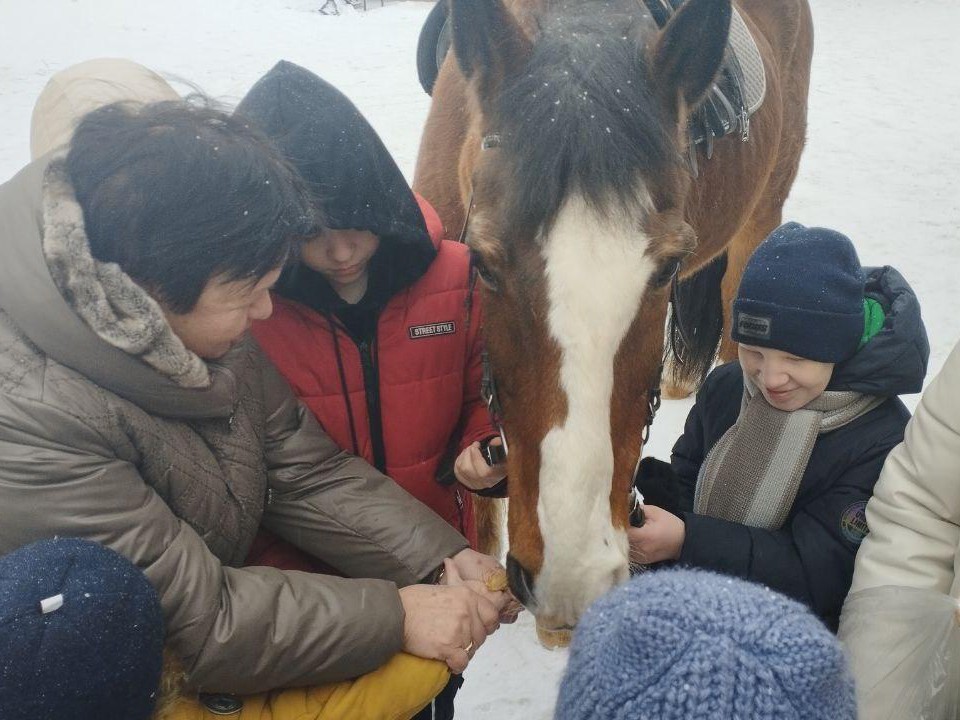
{"type": "Point", "coordinates": [238, 630]}
{"type": "Point", "coordinates": [339, 508]}
{"type": "Point", "coordinates": [914, 516]}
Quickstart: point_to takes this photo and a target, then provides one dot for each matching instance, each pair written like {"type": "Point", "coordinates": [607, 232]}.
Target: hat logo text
{"type": "Point", "coordinates": [753, 326]}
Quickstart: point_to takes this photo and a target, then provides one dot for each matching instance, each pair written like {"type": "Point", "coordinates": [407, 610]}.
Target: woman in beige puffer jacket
{"type": "Point", "coordinates": [111, 430]}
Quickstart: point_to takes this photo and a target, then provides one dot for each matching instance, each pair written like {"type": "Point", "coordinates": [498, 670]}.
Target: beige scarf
{"type": "Point", "coordinates": [751, 476]}
{"type": "Point", "coordinates": [107, 299]}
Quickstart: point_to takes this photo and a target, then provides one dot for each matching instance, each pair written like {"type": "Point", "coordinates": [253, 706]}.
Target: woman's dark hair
{"type": "Point", "coordinates": [177, 193]}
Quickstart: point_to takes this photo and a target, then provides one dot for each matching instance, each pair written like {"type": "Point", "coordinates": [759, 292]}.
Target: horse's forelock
{"type": "Point", "coordinates": [583, 118]}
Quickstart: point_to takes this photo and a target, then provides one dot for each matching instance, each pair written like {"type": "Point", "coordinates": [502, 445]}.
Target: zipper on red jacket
{"type": "Point", "coordinates": [343, 384]}
{"type": "Point", "coordinates": [459, 497]}
{"type": "Point", "coordinates": [371, 386]}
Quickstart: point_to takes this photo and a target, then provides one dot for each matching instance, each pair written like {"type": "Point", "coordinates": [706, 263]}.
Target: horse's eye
{"type": "Point", "coordinates": [483, 272]}
{"type": "Point", "coordinates": [666, 273]}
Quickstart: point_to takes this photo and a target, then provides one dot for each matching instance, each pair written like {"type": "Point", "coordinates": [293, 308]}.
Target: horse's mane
{"type": "Point", "coordinates": [582, 117]}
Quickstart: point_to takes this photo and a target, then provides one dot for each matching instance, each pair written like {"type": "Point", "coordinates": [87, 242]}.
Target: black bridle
{"type": "Point", "coordinates": [488, 393]}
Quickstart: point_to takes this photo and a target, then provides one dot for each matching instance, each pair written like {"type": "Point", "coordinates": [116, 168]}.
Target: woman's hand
{"type": "Point", "coordinates": [474, 570]}
{"type": "Point", "coordinates": [661, 537]}
{"type": "Point", "coordinates": [446, 623]}
{"type": "Point", "coordinates": [472, 470]}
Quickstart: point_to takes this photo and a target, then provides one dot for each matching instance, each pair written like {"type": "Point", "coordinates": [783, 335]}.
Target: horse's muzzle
{"type": "Point", "coordinates": [520, 580]}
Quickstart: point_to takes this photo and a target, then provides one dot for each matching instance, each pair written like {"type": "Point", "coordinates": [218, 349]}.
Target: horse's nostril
{"type": "Point", "coordinates": [521, 581]}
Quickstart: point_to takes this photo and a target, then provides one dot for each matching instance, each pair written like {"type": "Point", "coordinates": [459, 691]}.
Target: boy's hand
{"type": "Point", "coordinates": [472, 470]}
{"type": "Point", "coordinates": [661, 537]}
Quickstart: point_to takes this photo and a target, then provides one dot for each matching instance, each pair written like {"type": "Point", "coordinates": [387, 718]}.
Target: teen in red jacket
{"type": "Point", "coordinates": [376, 325]}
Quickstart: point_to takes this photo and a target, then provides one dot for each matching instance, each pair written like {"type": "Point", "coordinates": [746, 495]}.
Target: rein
{"type": "Point", "coordinates": [488, 393]}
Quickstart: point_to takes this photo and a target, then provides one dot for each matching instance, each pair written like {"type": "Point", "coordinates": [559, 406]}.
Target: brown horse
{"type": "Point", "coordinates": [562, 125]}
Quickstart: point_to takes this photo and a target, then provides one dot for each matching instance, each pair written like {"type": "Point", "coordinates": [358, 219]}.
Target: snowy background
{"type": "Point", "coordinates": [882, 162]}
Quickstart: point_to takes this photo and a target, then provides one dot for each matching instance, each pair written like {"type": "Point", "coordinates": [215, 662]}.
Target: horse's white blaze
{"type": "Point", "coordinates": [596, 274]}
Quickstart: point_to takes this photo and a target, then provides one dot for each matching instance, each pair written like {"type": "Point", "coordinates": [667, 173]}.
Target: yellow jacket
{"type": "Point", "coordinates": [396, 691]}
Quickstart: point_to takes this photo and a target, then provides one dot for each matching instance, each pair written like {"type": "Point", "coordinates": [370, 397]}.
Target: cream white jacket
{"type": "Point", "coordinates": [914, 515]}
{"type": "Point", "coordinates": [900, 620]}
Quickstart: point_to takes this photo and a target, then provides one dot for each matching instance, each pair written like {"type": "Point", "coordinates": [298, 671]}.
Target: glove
{"type": "Point", "coordinates": [659, 484]}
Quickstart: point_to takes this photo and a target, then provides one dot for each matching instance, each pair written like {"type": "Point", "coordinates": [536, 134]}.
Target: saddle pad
{"type": "Point", "coordinates": [748, 54]}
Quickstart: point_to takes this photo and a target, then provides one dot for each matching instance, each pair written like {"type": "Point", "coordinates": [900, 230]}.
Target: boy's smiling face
{"type": "Point", "coordinates": [788, 382]}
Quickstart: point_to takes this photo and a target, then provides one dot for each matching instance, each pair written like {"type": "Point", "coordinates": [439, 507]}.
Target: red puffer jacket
{"type": "Point", "coordinates": [428, 355]}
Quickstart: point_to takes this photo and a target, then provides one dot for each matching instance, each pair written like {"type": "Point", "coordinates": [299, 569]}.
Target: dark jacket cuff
{"type": "Point", "coordinates": [714, 544]}
{"type": "Point", "coordinates": [496, 491]}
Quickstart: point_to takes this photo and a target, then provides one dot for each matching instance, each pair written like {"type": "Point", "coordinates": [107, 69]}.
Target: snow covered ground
{"type": "Point", "coordinates": [882, 161]}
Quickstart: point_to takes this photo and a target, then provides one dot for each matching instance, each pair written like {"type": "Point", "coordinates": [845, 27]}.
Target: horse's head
{"type": "Point", "coordinates": [574, 167]}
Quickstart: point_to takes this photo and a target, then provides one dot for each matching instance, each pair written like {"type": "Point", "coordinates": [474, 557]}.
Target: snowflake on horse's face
{"type": "Point", "coordinates": [569, 145]}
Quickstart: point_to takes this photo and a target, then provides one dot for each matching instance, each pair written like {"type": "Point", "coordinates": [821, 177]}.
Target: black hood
{"type": "Point", "coordinates": [893, 362]}
{"type": "Point", "coordinates": [354, 180]}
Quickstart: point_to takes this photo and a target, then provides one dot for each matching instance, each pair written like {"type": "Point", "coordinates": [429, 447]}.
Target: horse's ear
{"type": "Point", "coordinates": [489, 43]}
{"type": "Point", "coordinates": [690, 49]}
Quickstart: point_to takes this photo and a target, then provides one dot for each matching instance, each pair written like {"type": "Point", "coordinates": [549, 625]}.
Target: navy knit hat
{"type": "Point", "coordinates": [694, 645]}
{"type": "Point", "coordinates": [802, 292]}
{"type": "Point", "coordinates": [81, 634]}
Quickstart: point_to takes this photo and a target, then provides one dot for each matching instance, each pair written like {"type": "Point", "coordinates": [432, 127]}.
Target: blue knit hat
{"type": "Point", "coordinates": [694, 645]}
{"type": "Point", "coordinates": [802, 292]}
{"type": "Point", "coordinates": [81, 634]}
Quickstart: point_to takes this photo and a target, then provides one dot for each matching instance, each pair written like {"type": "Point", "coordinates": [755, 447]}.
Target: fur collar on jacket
{"type": "Point", "coordinates": [118, 310]}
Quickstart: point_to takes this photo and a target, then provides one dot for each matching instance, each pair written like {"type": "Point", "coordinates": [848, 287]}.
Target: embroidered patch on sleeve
{"type": "Point", "coordinates": [853, 522]}
{"type": "Point", "coordinates": [419, 332]}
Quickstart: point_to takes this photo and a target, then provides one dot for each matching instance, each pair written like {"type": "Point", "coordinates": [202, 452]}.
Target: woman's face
{"type": "Point", "coordinates": [223, 314]}
{"type": "Point", "coordinates": [787, 381]}
{"type": "Point", "coordinates": [341, 256]}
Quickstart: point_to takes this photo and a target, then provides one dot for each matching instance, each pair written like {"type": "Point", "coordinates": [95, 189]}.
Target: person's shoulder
{"type": "Point", "coordinates": [725, 378]}
{"type": "Point", "coordinates": [431, 218]}
{"type": "Point", "coordinates": [290, 335]}
{"type": "Point", "coordinates": [453, 254]}
{"type": "Point", "coordinates": [868, 437]}
{"type": "Point", "coordinates": [285, 313]}
{"type": "Point", "coordinates": [284, 307]}
{"type": "Point", "coordinates": [894, 360]}
{"type": "Point", "coordinates": [39, 397]}
{"type": "Point", "coordinates": [885, 423]}
{"type": "Point", "coordinates": [449, 271]}
{"type": "Point", "coordinates": [718, 400]}
{"type": "Point", "coordinates": [27, 373]}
